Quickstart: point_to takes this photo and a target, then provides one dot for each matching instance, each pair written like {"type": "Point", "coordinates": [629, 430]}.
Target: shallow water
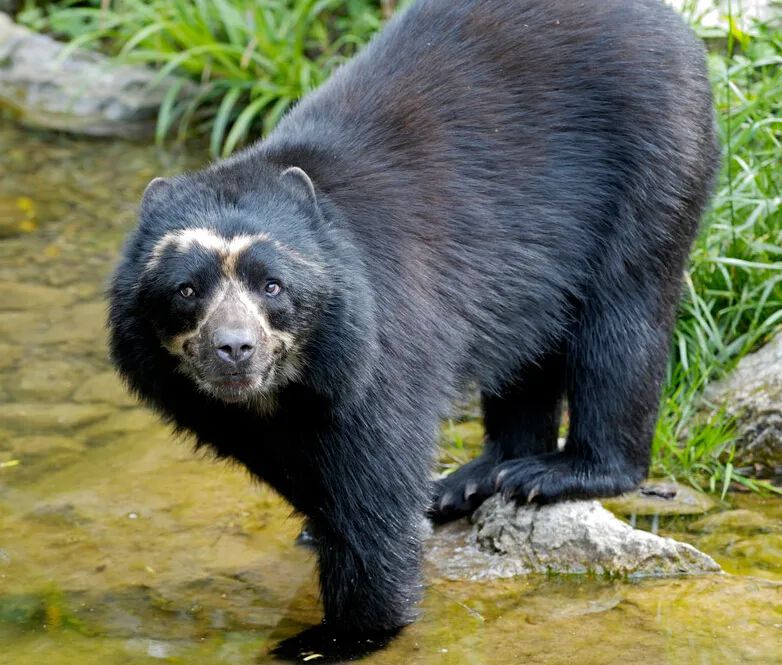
{"type": "Point", "coordinates": [118, 545]}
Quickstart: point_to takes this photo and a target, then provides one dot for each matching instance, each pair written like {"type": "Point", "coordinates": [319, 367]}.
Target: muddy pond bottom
{"type": "Point", "coordinates": [119, 545]}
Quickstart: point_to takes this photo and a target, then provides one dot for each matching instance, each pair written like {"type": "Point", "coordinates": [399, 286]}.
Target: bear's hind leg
{"type": "Point", "coordinates": [615, 364]}
{"type": "Point", "coordinates": [521, 420]}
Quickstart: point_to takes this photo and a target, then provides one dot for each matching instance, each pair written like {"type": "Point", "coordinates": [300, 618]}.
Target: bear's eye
{"type": "Point", "coordinates": [272, 288]}
{"type": "Point", "coordinates": [186, 291]}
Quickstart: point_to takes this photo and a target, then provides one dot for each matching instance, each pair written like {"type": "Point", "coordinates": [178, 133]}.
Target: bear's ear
{"type": "Point", "coordinates": [155, 187]}
{"type": "Point", "coordinates": [299, 184]}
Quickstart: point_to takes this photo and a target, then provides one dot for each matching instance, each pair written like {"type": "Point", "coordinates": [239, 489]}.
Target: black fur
{"type": "Point", "coordinates": [507, 192]}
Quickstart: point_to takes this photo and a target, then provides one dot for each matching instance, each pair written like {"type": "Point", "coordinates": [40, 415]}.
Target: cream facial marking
{"type": "Point", "coordinates": [228, 249]}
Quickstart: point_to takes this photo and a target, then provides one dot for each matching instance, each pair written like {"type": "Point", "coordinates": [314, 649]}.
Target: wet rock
{"type": "Point", "coordinates": [569, 538]}
{"type": "Point", "coordinates": [18, 296]}
{"type": "Point", "coordinates": [84, 92]}
{"type": "Point", "coordinates": [739, 521]}
{"type": "Point", "coordinates": [660, 498]}
{"type": "Point", "coordinates": [106, 388]}
{"type": "Point", "coordinates": [32, 416]}
{"type": "Point", "coordinates": [752, 394]}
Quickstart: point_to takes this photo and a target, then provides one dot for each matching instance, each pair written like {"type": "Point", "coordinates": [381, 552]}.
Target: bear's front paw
{"type": "Point", "coordinates": [534, 479]}
{"type": "Point", "coordinates": [460, 493]}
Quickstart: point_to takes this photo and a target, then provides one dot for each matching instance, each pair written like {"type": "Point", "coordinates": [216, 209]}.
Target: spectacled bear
{"type": "Point", "coordinates": [495, 192]}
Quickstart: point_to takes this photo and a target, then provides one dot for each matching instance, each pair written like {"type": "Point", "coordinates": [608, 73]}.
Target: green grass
{"type": "Point", "coordinates": [733, 288]}
{"type": "Point", "coordinates": [249, 60]}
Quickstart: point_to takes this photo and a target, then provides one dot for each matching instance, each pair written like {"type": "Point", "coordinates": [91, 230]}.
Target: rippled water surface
{"type": "Point", "coordinates": [118, 545]}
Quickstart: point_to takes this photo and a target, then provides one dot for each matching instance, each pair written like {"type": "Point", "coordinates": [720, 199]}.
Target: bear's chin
{"type": "Point", "coordinates": [236, 389]}
{"type": "Point", "coordinates": [234, 393]}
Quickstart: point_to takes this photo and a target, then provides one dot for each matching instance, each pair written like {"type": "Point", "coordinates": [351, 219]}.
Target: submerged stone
{"type": "Point", "coordinates": [31, 417]}
{"type": "Point", "coordinates": [45, 380]}
{"type": "Point", "coordinates": [739, 521]}
{"type": "Point", "coordinates": [763, 550]}
{"type": "Point", "coordinates": [43, 445]}
{"type": "Point", "coordinates": [106, 388]}
{"type": "Point", "coordinates": [15, 327]}
{"type": "Point", "coordinates": [660, 498]}
{"type": "Point", "coordinates": [9, 355]}
{"type": "Point", "coordinates": [60, 515]}
{"type": "Point", "coordinates": [128, 421]}
{"type": "Point", "coordinates": [20, 296]}
{"type": "Point", "coordinates": [82, 322]}
{"type": "Point", "coordinates": [577, 537]}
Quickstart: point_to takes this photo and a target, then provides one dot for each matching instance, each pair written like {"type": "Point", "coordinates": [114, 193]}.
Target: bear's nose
{"type": "Point", "coordinates": [233, 346]}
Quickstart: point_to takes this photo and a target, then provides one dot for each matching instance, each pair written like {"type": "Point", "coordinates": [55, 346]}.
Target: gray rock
{"type": "Point", "coordinates": [752, 394]}
{"type": "Point", "coordinates": [569, 538]}
{"type": "Point", "coordinates": [81, 91]}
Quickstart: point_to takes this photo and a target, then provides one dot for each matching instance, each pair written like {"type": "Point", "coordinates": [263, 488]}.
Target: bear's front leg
{"type": "Point", "coordinates": [370, 570]}
{"type": "Point", "coordinates": [367, 527]}
{"type": "Point", "coordinates": [366, 498]}
{"type": "Point", "coordinates": [375, 480]}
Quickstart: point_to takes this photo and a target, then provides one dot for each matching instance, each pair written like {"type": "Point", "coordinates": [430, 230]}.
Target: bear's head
{"type": "Point", "coordinates": [226, 279]}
